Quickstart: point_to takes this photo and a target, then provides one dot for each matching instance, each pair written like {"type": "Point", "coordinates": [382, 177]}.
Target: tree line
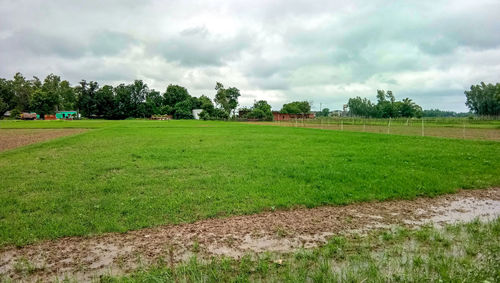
{"type": "Point", "coordinates": [135, 100]}
{"type": "Point", "coordinates": [386, 106]}
{"type": "Point", "coordinates": [484, 99]}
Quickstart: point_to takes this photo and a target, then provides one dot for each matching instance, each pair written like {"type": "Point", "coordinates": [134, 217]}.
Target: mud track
{"type": "Point", "coordinates": [12, 138]}
{"type": "Point", "coordinates": [85, 258]}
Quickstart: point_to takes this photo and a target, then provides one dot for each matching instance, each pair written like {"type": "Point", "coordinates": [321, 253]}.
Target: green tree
{"type": "Point", "coordinates": [138, 93]}
{"type": "Point", "coordinates": [153, 103]}
{"type": "Point", "coordinates": [123, 101]}
{"type": "Point", "coordinates": [362, 107]}
{"type": "Point", "coordinates": [296, 107]}
{"type": "Point", "coordinates": [410, 109]}
{"type": "Point", "coordinates": [7, 93]}
{"type": "Point", "coordinates": [484, 99]}
{"type": "Point", "coordinates": [105, 102]}
{"type": "Point", "coordinates": [23, 91]}
{"type": "Point", "coordinates": [261, 110]}
{"type": "Point", "coordinates": [183, 110]}
{"type": "Point", "coordinates": [3, 107]}
{"type": "Point", "coordinates": [43, 102]}
{"type": "Point", "coordinates": [227, 99]}
{"type": "Point", "coordinates": [67, 99]}
{"type": "Point", "coordinates": [175, 94]}
{"type": "Point", "coordinates": [86, 94]}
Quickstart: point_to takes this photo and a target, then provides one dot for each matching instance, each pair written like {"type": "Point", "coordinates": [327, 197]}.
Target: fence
{"type": "Point", "coordinates": [464, 128]}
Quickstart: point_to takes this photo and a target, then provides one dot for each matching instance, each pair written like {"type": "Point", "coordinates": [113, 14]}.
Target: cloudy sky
{"type": "Point", "coordinates": [321, 51]}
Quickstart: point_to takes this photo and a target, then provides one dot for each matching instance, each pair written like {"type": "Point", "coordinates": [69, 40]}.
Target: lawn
{"type": "Point", "coordinates": [126, 175]}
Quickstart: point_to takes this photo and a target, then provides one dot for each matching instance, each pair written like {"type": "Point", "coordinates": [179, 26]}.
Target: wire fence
{"type": "Point", "coordinates": [464, 128]}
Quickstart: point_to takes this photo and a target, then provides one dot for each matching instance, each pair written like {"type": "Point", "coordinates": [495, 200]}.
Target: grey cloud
{"type": "Point", "coordinates": [197, 47]}
{"type": "Point", "coordinates": [326, 51]}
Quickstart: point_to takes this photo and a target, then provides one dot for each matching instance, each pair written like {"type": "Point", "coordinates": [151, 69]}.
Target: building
{"type": "Point", "coordinates": [196, 113]}
{"type": "Point", "coordinates": [284, 116]}
{"type": "Point", "coordinates": [70, 114]}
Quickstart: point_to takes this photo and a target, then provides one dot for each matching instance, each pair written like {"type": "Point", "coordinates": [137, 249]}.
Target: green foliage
{"type": "Point", "coordinates": [15, 113]}
{"type": "Point", "coordinates": [484, 99]}
{"type": "Point", "coordinates": [43, 102]}
{"type": "Point", "coordinates": [386, 107]}
{"type": "Point", "coordinates": [226, 98]}
{"type": "Point", "coordinates": [175, 94]}
{"type": "Point", "coordinates": [3, 107]}
{"type": "Point", "coordinates": [296, 107]}
{"type": "Point", "coordinates": [86, 94]}
{"type": "Point", "coordinates": [325, 112]}
{"type": "Point", "coordinates": [134, 174]}
{"type": "Point", "coordinates": [441, 113]}
{"type": "Point", "coordinates": [105, 102]}
{"type": "Point", "coordinates": [261, 110]}
{"type": "Point", "coordinates": [7, 93]}
{"type": "Point", "coordinates": [182, 110]}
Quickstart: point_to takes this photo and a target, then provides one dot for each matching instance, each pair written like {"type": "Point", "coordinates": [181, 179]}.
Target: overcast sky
{"type": "Point", "coordinates": [280, 51]}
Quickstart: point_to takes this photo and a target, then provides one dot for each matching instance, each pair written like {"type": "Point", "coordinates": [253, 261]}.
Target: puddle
{"type": "Point", "coordinates": [460, 210]}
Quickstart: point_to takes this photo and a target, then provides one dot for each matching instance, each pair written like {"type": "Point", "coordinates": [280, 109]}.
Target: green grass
{"type": "Point", "coordinates": [460, 253]}
{"type": "Point", "coordinates": [133, 174]}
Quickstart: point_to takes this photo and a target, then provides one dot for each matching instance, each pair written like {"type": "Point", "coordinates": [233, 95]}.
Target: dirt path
{"type": "Point", "coordinates": [12, 138]}
{"type": "Point", "coordinates": [282, 231]}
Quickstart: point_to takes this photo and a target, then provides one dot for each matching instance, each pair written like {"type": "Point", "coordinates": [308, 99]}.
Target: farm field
{"type": "Point", "coordinates": [136, 174]}
{"type": "Point", "coordinates": [118, 176]}
{"type": "Point", "coordinates": [459, 128]}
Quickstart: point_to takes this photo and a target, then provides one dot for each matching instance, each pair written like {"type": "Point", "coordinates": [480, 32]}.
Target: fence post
{"type": "Point", "coordinates": [423, 127]}
{"type": "Point", "coordinates": [364, 125]}
{"type": "Point", "coordinates": [389, 126]}
{"type": "Point", "coordinates": [341, 124]}
{"type": "Point", "coordinates": [463, 132]}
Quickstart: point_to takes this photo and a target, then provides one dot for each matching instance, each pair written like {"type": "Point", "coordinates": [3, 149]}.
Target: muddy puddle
{"type": "Point", "coordinates": [85, 258]}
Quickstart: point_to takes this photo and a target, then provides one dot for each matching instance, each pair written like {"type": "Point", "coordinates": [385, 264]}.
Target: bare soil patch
{"type": "Point", "coordinates": [12, 138]}
{"type": "Point", "coordinates": [84, 258]}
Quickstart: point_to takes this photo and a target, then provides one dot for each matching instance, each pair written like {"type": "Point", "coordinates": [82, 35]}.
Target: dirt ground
{"type": "Point", "coordinates": [85, 258]}
{"type": "Point", "coordinates": [12, 138]}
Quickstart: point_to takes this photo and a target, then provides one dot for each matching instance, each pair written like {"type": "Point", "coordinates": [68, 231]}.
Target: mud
{"type": "Point", "coordinates": [85, 258]}
{"type": "Point", "coordinates": [12, 138]}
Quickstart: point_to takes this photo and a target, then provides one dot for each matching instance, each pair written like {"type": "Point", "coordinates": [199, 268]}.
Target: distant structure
{"type": "Point", "coordinates": [196, 113]}
{"type": "Point", "coordinates": [68, 115]}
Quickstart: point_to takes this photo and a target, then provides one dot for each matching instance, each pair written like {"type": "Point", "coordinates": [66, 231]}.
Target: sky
{"type": "Point", "coordinates": [280, 51]}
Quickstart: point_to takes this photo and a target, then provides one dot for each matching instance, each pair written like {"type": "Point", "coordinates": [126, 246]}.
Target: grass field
{"type": "Point", "coordinates": [131, 174]}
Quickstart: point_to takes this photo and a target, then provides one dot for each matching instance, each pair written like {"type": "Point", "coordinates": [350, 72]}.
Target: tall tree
{"type": "Point", "coordinates": [138, 92]}
{"type": "Point", "coordinates": [105, 102]}
{"type": "Point", "coordinates": [153, 104]}
{"type": "Point", "coordinates": [123, 101]}
{"type": "Point", "coordinates": [226, 98]}
{"type": "Point", "coordinates": [23, 90]}
{"type": "Point", "coordinates": [7, 94]}
{"type": "Point", "coordinates": [86, 94]}
{"type": "Point", "coordinates": [175, 94]}
{"type": "Point", "coordinates": [484, 99]}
